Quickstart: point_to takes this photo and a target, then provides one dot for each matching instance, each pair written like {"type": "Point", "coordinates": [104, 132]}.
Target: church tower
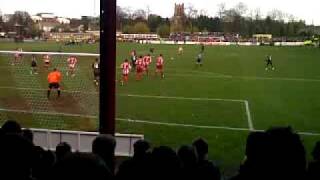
{"type": "Point", "coordinates": [179, 19]}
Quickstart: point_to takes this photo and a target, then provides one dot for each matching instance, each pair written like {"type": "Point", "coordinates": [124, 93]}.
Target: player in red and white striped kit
{"type": "Point", "coordinates": [47, 61]}
{"type": "Point", "coordinates": [159, 66]}
{"type": "Point", "coordinates": [17, 57]}
{"type": "Point", "coordinates": [139, 68]}
{"type": "Point", "coordinates": [147, 60]}
{"type": "Point", "coordinates": [126, 67]}
{"type": "Point", "coordinates": [72, 62]}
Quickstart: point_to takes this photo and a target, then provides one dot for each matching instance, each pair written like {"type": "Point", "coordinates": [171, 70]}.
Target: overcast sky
{"type": "Point", "coordinates": [307, 9]}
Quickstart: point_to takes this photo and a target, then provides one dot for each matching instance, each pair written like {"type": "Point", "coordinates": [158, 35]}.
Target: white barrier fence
{"type": "Point", "coordinates": [82, 141]}
{"type": "Point", "coordinates": [221, 43]}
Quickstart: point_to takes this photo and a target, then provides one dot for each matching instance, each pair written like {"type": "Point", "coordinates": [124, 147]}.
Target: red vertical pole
{"type": "Point", "coordinates": [107, 66]}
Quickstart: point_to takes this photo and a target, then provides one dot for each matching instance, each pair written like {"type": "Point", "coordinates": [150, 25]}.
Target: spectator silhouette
{"type": "Point", "coordinates": [104, 146]}
{"type": "Point", "coordinates": [138, 166]}
{"type": "Point", "coordinates": [11, 127]}
{"type": "Point", "coordinates": [205, 168]}
{"type": "Point", "coordinates": [255, 163]}
{"type": "Point", "coordinates": [62, 150]}
{"type": "Point", "coordinates": [165, 163]}
{"type": "Point", "coordinates": [38, 168]}
{"type": "Point", "coordinates": [287, 154]}
{"type": "Point", "coordinates": [276, 154]}
{"type": "Point", "coordinates": [1, 132]}
{"type": "Point", "coordinates": [314, 166]}
{"type": "Point", "coordinates": [28, 134]}
{"type": "Point", "coordinates": [189, 160]}
{"type": "Point", "coordinates": [81, 166]}
{"type": "Point", "coordinates": [15, 157]}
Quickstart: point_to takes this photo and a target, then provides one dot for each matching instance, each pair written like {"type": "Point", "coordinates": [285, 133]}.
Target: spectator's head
{"type": "Point", "coordinates": [165, 163]}
{"type": "Point", "coordinates": [16, 154]}
{"type": "Point", "coordinates": [81, 166]}
{"type": "Point", "coordinates": [11, 127]}
{"type": "Point", "coordinates": [286, 154]}
{"type": "Point", "coordinates": [188, 156]}
{"type": "Point", "coordinates": [1, 132]}
{"type": "Point", "coordinates": [316, 152]}
{"type": "Point", "coordinates": [62, 150]}
{"type": "Point", "coordinates": [201, 147]}
{"type": "Point", "coordinates": [257, 145]}
{"type": "Point", "coordinates": [141, 147]}
{"type": "Point", "coordinates": [104, 146]}
{"type": "Point", "coordinates": [28, 134]}
{"type": "Point", "coordinates": [49, 158]}
{"type": "Point", "coordinates": [55, 69]}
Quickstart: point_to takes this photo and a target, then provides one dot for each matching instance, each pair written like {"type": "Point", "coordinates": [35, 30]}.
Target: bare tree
{"type": "Point", "coordinates": [221, 10]}
{"type": "Point", "coordinates": [203, 12]}
{"type": "Point", "coordinates": [191, 11]}
{"type": "Point", "coordinates": [128, 12]}
{"type": "Point", "coordinates": [140, 14]}
{"type": "Point", "coordinates": [241, 8]}
{"type": "Point", "coordinates": [277, 14]}
{"type": "Point", "coordinates": [148, 11]}
{"type": "Point", "coordinates": [257, 14]}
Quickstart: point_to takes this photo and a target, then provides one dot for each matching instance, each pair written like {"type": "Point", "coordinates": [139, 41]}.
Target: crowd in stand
{"type": "Point", "coordinates": [277, 153]}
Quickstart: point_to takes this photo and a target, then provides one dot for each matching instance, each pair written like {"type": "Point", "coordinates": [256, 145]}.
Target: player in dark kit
{"type": "Point", "coordinates": [199, 60]}
{"type": "Point", "coordinates": [269, 63]}
{"type": "Point", "coordinates": [34, 65]}
{"type": "Point", "coordinates": [133, 55]}
{"type": "Point", "coordinates": [151, 50]}
{"type": "Point", "coordinates": [202, 48]}
{"type": "Point", "coordinates": [96, 71]}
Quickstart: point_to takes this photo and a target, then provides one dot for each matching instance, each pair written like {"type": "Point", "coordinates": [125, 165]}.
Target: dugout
{"type": "Point", "coordinates": [263, 38]}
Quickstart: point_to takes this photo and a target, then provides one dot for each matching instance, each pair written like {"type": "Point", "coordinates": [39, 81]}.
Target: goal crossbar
{"type": "Point", "coordinates": [51, 53]}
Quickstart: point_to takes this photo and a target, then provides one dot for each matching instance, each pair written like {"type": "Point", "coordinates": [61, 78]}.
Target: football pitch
{"type": "Point", "coordinates": [221, 101]}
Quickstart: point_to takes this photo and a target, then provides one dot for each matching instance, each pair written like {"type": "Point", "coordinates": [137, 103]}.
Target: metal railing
{"type": "Point", "coordinates": [82, 141]}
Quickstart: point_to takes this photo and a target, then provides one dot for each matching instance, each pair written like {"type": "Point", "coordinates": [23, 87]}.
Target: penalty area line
{"type": "Point", "coordinates": [182, 125]}
{"type": "Point", "coordinates": [246, 103]}
{"type": "Point", "coordinates": [149, 122]}
{"type": "Point", "coordinates": [182, 98]}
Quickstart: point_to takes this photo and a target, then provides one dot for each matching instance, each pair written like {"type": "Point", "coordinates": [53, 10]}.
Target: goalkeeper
{"type": "Point", "coordinates": [54, 79]}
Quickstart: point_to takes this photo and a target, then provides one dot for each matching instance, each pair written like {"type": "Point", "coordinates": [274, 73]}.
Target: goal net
{"type": "Point", "coordinates": [23, 91]}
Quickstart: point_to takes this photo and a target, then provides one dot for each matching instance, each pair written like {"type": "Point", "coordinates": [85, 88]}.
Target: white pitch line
{"type": "Point", "coordinates": [243, 77]}
{"type": "Point", "coordinates": [132, 95]}
{"type": "Point", "coordinates": [39, 89]}
{"type": "Point", "coordinates": [223, 76]}
{"type": "Point", "coordinates": [246, 103]}
{"type": "Point", "coordinates": [309, 134]}
{"type": "Point", "coordinates": [127, 120]}
{"type": "Point", "coordinates": [149, 122]}
{"type": "Point", "coordinates": [47, 113]}
{"type": "Point", "coordinates": [51, 53]}
{"type": "Point", "coordinates": [250, 122]}
{"type": "Point", "coordinates": [182, 125]}
{"type": "Point", "coordinates": [277, 79]}
{"type": "Point", "coordinates": [183, 98]}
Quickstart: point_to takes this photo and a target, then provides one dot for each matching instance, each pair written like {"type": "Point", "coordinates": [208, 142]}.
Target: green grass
{"type": "Point", "coordinates": [287, 96]}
